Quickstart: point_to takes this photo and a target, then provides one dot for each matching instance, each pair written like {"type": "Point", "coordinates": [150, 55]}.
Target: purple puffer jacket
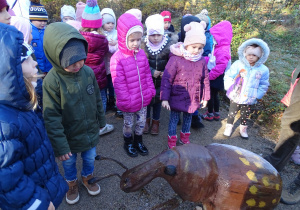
{"type": "Point", "coordinates": [130, 71]}
{"type": "Point", "coordinates": [98, 47]}
{"type": "Point", "coordinates": [185, 83]}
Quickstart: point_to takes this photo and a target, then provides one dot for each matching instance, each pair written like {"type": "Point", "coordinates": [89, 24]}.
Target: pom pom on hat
{"type": "Point", "coordinates": [91, 17]}
{"type": "Point", "coordinates": [195, 33]}
{"type": "Point", "coordinates": [204, 12]}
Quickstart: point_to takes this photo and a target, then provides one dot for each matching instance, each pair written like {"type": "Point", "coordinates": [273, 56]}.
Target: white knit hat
{"type": "Point", "coordinates": [155, 25]}
{"type": "Point", "coordinates": [195, 33]}
{"type": "Point", "coordinates": [67, 10]}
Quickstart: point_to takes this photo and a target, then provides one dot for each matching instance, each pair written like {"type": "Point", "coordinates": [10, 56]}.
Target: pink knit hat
{"type": "Point", "coordinates": [91, 17]}
{"type": "Point", "coordinates": [195, 33]}
{"type": "Point", "coordinates": [79, 10]}
{"type": "Point", "coordinates": [166, 15]}
{"type": "Point", "coordinates": [136, 13]}
{"type": "Point", "coordinates": [3, 4]}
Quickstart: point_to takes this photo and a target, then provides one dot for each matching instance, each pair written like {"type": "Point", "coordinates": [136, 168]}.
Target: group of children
{"type": "Point", "coordinates": [92, 60]}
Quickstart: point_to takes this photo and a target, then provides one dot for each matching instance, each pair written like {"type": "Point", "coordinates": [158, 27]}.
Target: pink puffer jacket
{"type": "Point", "coordinates": [130, 71]}
{"type": "Point", "coordinates": [98, 47]}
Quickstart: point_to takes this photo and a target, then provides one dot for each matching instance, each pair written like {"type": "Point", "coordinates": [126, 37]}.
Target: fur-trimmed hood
{"type": "Point", "coordinates": [264, 46]}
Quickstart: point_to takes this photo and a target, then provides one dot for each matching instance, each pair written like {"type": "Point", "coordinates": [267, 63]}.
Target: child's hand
{"type": "Point", "coordinates": [51, 206]}
{"type": "Point", "coordinates": [65, 157]}
{"type": "Point", "coordinates": [112, 42]}
{"type": "Point", "coordinates": [156, 74]}
{"type": "Point", "coordinates": [161, 73]}
{"type": "Point", "coordinates": [166, 105]}
{"type": "Point", "coordinates": [204, 103]}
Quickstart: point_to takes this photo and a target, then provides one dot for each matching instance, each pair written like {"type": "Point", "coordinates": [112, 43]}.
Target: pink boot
{"type": "Point", "coordinates": [172, 141]}
{"type": "Point", "coordinates": [184, 138]}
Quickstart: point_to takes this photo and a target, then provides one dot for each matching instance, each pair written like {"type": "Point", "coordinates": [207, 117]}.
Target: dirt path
{"type": "Point", "coordinates": [158, 191]}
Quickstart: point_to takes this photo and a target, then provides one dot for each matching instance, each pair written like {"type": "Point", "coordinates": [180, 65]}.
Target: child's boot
{"type": "Point", "coordinates": [106, 129]}
{"type": "Point", "coordinates": [243, 131]}
{"type": "Point", "coordinates": [138, 144]}
{"type": "Point", "coordinates": [147, 126]}
{"type": "Point", "coordinates": [216, 116]}
{"type": "Point", "coordinates": [196, 122]}
{"type": "Point", "coordinates": [112, 105]}
{"type": "Point", "coordinates": [155, 127]}
{"type": "Point", "coordinates": [184, 138]}
{"type": "Point", "coordinates": [93, 189]}
{"type": "Point", "coordinates": [228, 130]}
{"type": "Point", "coordinates": [72, 196]}
{"type": "Point", "coordinates": [172, 141]}
{"type": "Point", "coordinates": [129, 148]}
{"type": "Point", "coordinates": [208, 116]}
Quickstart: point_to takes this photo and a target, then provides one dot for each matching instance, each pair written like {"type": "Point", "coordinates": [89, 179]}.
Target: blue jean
{"type": "Point", "coordinates": [110, 87]}
{"type": "Point", "coordinates": [104, 99]}
{"type": "Point", "coordinates": [156, 111]}
{"type": "Point", "coordinates": [174, 118]}
{"type": "Point", "coordinates": [88, 159]}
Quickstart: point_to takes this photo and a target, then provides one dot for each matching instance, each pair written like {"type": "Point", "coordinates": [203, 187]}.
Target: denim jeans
{"type": "Point", "coordinates": [110, 87]}
{"type": "Point", "coordinates": [174, 118]}
{"type": "Point", "coordinates": [156, 111]}
{"type": "Point", "coordinates": [88, 159]}
{"type": "Point", "coordinates": [104, 99]}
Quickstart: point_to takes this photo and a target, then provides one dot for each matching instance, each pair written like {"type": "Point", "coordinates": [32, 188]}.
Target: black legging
{"type": "Point", "coordinates": [234, 108]}
{"type": "Point", "coordinates": [213, 104]}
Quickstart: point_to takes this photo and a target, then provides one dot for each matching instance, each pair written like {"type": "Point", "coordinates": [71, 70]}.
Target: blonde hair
{"type": "Point", "coordinates": [33, 103]}
{"type": "Point", "coordinates": [98, 30]}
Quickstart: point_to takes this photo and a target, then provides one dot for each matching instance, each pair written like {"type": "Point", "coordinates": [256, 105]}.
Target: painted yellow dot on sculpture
{"type": "Point", "coordinates": [274, 201]}
{"type": "Point", "coordinates": [251, 202]}
{"type": "Point", "coordinates": [251, 176]}
{"type": "Point", "coordinates": [245, 161]}
{"type": "Point", "coordinates": [239, 152]}
{"type": "Point", "coordinates": [253, 190]}
{"type": "Point", "coordinates": [277, 186]}
{"type": "Point", "coordinates": [261, 204]}
{"type": "Point", "coordinates": [265, 180]}
{"type": "Point", "coordinates": [258, 165]}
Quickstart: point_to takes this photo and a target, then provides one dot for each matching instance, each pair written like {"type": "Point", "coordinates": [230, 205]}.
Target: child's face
{"type": "Point", "coordinates": [4, 16]}
{"type": "Point", "coordinates": [155, 38]}
{"type": "Point", "coordinates": [252, 59]}
{"type": "Point", "coordinates": [75, 67]}
{"type": "Point", "coordinates": [134, 41]}
{"type": "Point", "coordinates": [108, 26]}
{"type": "Point", "coordinates": [167, 25]}
{"type": "Point", "coordinates": [40, 24]}
{"type": "Point", "coordinates": [29, 69]}
{"type": "Point", "coordinates": [194, 49]}
{"type": "Point", "coordinates": [66, 18]}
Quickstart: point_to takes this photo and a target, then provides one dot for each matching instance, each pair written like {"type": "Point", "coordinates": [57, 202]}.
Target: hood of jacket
{"type": "Point", "coordinates": [112, 34]}
{"type": "Point", "coordinates": [56, 37]}
{"type": "Point", "coordinates": [125, 23]}
{"type": "Point", "coordinates": [110, 12]}
{"type": "Point", "coordinates": [12, 86]}
{"type": "Point", "coordinates": [222, 32]}
{"type": "Point", "coordinates": [185, 21]}
{"type": "Point", "coordinates": [264, 46]}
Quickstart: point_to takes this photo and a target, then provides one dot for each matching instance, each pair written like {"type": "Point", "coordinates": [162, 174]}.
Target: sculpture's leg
{"type": "Point", "coordinates": [169, 205]}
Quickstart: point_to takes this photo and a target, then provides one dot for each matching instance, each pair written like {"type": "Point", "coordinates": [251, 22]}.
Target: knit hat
{"type": "Point", "coordinates": [155, 24]}
{"type": "Point", "coordinates": [76, 24]}
{"type": "Point", "coordinates": [136, 13]}
{"type": "Point", "coordinates": [204, 18]}
{"type": "Point", "coordinates": [26, 51]}
{"type": "Point", "coordinates": [37, 12]}
{"type": "Point", "coordinates": [67, 10]}
{"type": "Point", "coordinates": [72, 52]}
{"type": "Point", "coordinates": [166, 15]}
{"type": "Point", "coordinates": [185, 21]}
{"type": "Point", "coordinates": [3, 4]}
{"type": "Point", "coordinates": [79, 10]}
{"type": "Point", "coordinates": [250, 50]}
{"type": "Point", "coordinates": [91, 17]}
{"type": "Point", "coordinates": [107, 18]}
{"type": "Point", "coordinates": [195, 33]}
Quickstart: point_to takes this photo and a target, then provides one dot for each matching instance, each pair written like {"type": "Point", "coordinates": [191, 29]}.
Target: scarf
{"type": "Point", "coordinates": [156, 49]}
{"type": "Point", "coordinates": [189, 56]}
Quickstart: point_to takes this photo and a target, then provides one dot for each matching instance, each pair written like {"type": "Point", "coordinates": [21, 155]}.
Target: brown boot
{"type": "Point", "coordinates": [72, 195]}
{"type": "Point", "coordinates": [93, 189]}
{"type": "Point", "coordinates": [147, 126]}
{"type": "Point", "coordinates": [155, 127]}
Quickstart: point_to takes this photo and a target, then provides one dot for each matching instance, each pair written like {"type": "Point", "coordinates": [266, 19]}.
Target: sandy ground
{"type": "Point", "coordinates": [158, 191]}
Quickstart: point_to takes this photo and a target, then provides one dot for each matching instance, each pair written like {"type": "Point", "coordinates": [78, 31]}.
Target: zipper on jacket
{"type": "Point", "coordinates": [139, 80]}
{"type": "Point", "coordinates": [81, 100]}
